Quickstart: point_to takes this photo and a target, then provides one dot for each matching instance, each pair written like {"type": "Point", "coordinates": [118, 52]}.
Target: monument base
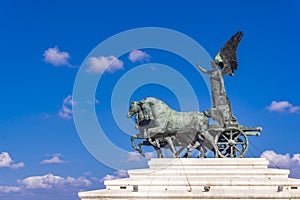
{"type": "Point", "coordinates": [194, 178]}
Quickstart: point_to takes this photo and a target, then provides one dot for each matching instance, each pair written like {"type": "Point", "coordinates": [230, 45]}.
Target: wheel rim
{"type": "Point", "coordinates": [231, 143]}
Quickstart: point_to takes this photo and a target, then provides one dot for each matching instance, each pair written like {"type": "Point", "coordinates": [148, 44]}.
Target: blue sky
{"type": "Point", "coordinates": [43, 44]}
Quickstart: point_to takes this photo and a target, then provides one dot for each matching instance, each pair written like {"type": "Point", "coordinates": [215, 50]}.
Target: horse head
{"type": "Point", "coordinates": [134, 108]}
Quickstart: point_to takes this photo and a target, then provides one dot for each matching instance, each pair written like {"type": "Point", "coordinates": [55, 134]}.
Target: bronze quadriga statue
{"type": "Point", "coordinates": [162, 127]}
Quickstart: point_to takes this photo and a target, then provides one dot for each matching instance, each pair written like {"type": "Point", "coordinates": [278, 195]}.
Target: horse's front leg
{"type": "Point", "coordinates": [132, 138]}
{"type": "Point", "coordinates": [140, 148]}
{"type": "Point", "coordinates": [171, 145]}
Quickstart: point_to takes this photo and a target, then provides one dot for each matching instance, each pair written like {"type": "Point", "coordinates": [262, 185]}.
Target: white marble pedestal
{"type": "Point", "coordinates": [193, 178]}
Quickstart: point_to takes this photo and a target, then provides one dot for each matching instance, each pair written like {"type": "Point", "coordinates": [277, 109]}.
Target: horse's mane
{"type": "Point", "coordinates": [153, 100]}
{"type": "Point", "coordinates": [157, 102]}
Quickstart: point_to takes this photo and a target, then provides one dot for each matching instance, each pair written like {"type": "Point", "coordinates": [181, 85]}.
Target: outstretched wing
{"type": "Point", "coordinates": [226, 58]}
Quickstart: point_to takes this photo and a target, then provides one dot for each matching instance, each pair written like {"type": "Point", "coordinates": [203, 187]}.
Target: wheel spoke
{"type": "Point", "coordinates": [222, 143]}
{"type": "Point", "coordinates": [238, 149]}
{"type": "Point", "coordinates": [225, 137]}
{"type": "Point", "coordinates": [226, 148]}
{"type": "Point", "coordinates": [231, 133]}
{"type": "Point", "coordinates": [231, 151]}
{"type": "Point", "coordinates": [236, 137]}
{"type": "Point", "coordinates": [242, 143]}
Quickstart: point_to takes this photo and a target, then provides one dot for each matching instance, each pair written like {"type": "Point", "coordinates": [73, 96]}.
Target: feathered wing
{"type": "Point", "coordinates": [226, 58]}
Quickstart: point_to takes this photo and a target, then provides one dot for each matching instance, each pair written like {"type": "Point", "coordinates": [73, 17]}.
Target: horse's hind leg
{"type": "Point", "coordinates": [202, 151]}
{"type": "Point", "coordinates": [179, 151]}
{"type": "Point", "coordinates": [158, 151]}
{"type": "Point", "coordinates": [171, 145]}
{"type": "Point", "coordinates": [211, 140]}
{"type": "Point", "coordinates": [190, 148]}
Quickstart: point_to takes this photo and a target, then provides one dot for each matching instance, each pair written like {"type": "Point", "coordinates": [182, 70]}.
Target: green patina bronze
{"type": "Point", "coordinates": [162, 127]}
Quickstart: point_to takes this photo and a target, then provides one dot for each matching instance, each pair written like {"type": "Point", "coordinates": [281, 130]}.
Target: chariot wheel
{"type": "Point", "coordinates": [231, 143]}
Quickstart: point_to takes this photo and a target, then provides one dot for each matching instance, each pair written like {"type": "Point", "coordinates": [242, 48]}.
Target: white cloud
{"type": "Point", "coordinates": [56, 57]}
{"type": "Point", "coordinates": [68, 101]}
{"type": "Point", "coordinates": [138, 55]}
{"type": "Point", "coordinates": [149, 155]}
{"type": "Point", "coordinates": [49, 181]}
{"type": "Point", "coordinates": [134, 156]}
{"type": "Point", "coordinates": [100, 64]}
{"type": "Point", "coordinates": [284, 161]}
{"type": "Point", "coordinates": [6, 161]}
{"type": "Point", "coordinates": [9, 189]}
{"type": "Point", "coordinates": [54, 160]}
{"type": "Point", "coordinates": [279, 106]}
{"type": "Point", "coordinates": [294, 109]}
{"type": "Point", "coordinates": [65, 111]}
{"type": "Point", "coordinates": [116, 175]}
{"type": "Point", "coordinates": [282, 106]}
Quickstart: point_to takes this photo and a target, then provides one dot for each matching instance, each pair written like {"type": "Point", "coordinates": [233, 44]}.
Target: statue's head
{"type": "Point", "coordinates": [214, 65]}
{"type": "Point", "coordinates": [134, 108]}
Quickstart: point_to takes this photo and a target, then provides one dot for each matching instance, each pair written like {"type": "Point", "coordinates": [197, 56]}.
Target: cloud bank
{"type": "Point", "coordinates": [49, 181]}
{"type": "Point", "coordinates": [116, 175]}
{"type": "Point", "coordinates": [284, 162]}
{"type": "Point", "coordinates": [10, 189]}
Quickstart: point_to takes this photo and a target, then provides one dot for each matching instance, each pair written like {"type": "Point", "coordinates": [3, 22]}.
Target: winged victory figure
{"type": "Point", "coordinates": [226, 60]}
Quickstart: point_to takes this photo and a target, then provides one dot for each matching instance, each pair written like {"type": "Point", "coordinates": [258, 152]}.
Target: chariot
{"type": "Point", "coordinates": [232, 141]}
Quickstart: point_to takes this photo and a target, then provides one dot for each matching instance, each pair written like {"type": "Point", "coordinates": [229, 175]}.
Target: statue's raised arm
{"type": "Point", "coordinates": [204, 70]}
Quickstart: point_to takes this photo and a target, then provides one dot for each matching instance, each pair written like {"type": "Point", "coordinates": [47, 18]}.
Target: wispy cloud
{"type": "Point", "coordinates": [116, 175]}
{"type": "Point", "coordinates": [56, 57]}
{"type": "Point", "coordinates": [95, 101]}
{"type": "Point", "coordinates": [284, 161]}
{"type": "Point", "coordinates": [282, 106]}
{"type": "Point", "coordinates": [55, 159]}
{"type": "Point", "coordinates": [138, 55]}
{"type": "Point", "coordinates": [135, 157]}
{"type": "Point", "coordinates": [153, 68]}
{"type": "Point", "coordinates": [49, 181]}
{"type": "Point", "coordinates": [10, 189]}
{"type": "Point", "coordinates": [294, 109]}
{"type": "Point", "coordinates": [65, 111]}
{"type": "Point", "coordinates": [6, 161]}
{"type": "Point", "coordinates": [87, 173]}
{"type": "Point", "coordinates": [100, 64]}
